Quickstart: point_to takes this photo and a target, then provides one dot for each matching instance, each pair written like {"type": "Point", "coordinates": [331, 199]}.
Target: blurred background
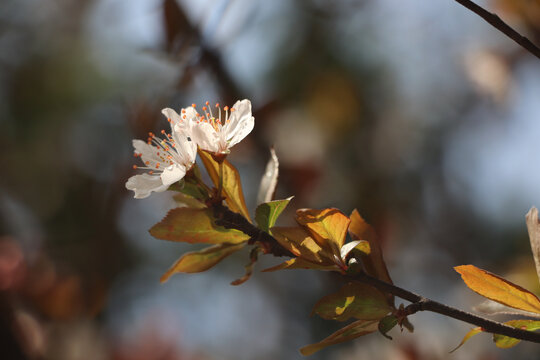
{"type": "Point", "coordinates": [417, 113]}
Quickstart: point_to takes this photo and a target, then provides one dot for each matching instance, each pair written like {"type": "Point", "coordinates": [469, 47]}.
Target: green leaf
{"type": "Point", "coordinates": [194, 190]}
{"type": "Point", "coordinates": [199, 261]}
{"type": "Point", "coordinates": [386, 324]}
{"type": "Point", "coordinates": [232, 186]}
{"type": "Point", "coordinates": [467, 336]}
{"type": "Point", "coordinates": [195, 226]}
{"type": "Point", "coordinates": [349, 332]}
{"type": "Point", "coordinates": [191, 185]}
{"type": "Point", "coordinates": [506, 342]}
{"type": "Point", "coordinates": [267, 213]}
{"type": "Point", "coordinates": [354, 300]}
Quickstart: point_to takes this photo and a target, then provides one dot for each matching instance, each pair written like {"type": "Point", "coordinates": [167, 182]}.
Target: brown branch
{"type": "Point", "coordinates": [500, 25]}
{"type": "Point", "coordinates": [232, 220]}
{"type": "Point", "coordinates": [420, 303]}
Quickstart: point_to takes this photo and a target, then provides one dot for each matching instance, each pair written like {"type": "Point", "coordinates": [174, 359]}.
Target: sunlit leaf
{"type": "Point", "coordinates": [300, 243]}
{"type": "Point", "coordinates": [467, 336]}
{"type": "Point", "coordinates": [386, 324]}
{"type": "Point", "coordinates": [533, 225]}
{"type": "Point", "coordinates": [267, 188]}
{"type": "Point", "coordinates": [298, 263]}
{"type": "Point", "coordinates": [349, 332]}
{"type": "Point", "coordinates": [195, 226]}
{"type": "Point", "coordinates": [253, 256]}
{"type": "Point", "coordinates": [374, 262]}
{"type": "Point", "coordinates": [498, 289]}
{"type": "Point", "coordinates": [232, 186]}
{"type": "Point", "coordinates": [199, 261]}
{"type": "Point", "coordinates": [267, 213]}
{"type": "Point", "coordinates": [506, 342]}
{"type": "Point", "coordinates": [354, 300]}
{"type": "Point", "coordinates": [328, 227]}
{"type": "Point", "coordinates": [361, 245]}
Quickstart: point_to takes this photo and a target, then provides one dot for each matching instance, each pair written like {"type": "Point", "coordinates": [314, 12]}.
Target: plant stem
{"type": "Point", "coordinates": [500, 25]}
{"type": "Point", "coordinates": [420, 303]}
{"type": "Point", "coordinates": [232, 220]}
{"type": "Point", "coordinates": [220, 185]}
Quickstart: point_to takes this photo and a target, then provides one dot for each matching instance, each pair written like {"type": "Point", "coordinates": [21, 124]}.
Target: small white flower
{"type": "Point", "coordinates": [166, 160]}
{"type": "Point", "coordinates": [216, 134]}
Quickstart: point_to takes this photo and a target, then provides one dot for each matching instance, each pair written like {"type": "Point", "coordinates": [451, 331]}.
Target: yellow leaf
{"type": "Point", "coordinates": [506, 342]}
{"type": "Point", "coordinates": [199, 261]}
{"type": "Point", "coordinates": [467, 336]}
{"type": "Point", "coordinates": [534, 236]}
{"type": "Point", "coordinates": [498, 289]}
{"type": "Point", "coordinates": [349, 332]}
{"type": "Point", "coordinates": [232, 186]}
{"type": "Point", "coordinates": [503, 341]}
{"type": "Point", "coordinates": [328, 227]}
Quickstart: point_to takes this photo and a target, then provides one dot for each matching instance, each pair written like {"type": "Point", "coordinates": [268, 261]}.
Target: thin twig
{"type": "Point", "coordinates": [500, 25]}
{"type": "Point", "coordinates": [232, 220]}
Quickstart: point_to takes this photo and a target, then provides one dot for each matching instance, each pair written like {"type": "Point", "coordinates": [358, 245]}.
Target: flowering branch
{"type": "Point", "coordinates": [500, 25]}
{"type": "Point", "coordinates": [232, 220]}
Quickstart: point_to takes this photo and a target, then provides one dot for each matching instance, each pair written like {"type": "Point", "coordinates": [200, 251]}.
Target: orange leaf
{"type": "Point", "coordinates": [349, 332]}
{"type": "Point", "coordinates": [328, 227]}
{"type": "Point", "coordinates": [374, 262]}
{"type": "Point", "coordinates": [498, 289]}
{"type": "Point", "coordinates": [297, 241]}
{"type": "Point", "coordinates": [232, 186]}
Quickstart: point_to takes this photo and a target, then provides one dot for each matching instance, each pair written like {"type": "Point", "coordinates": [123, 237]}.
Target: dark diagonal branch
{"type": "Point", "coordinates": [420, 303]}
{"type": "Point", "coordinates": [232, 220]}
{"type": "Point", "coordinates": [500, 25]}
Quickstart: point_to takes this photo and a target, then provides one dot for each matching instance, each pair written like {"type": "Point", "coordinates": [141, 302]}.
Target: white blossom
{"type": "Point", "coordinates": [166, 160]}
{"type": "Point", "coordinates": [218, 132]}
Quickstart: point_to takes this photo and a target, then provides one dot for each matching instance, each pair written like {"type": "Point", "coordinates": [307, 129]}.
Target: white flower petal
{"type": "Point", "coordinates": [148, 153]}
{"type": "Point", "coordinates": [171, 114]}
{"type": "Point", "coordinates": [241, 123]}
{"type": "Point", "coordinates": [205, 136]}
{"type": "Point", "coordinates": [185, 147]}
{"type": "Point", "coordinates": [144, 184]}
{"type": "Point", "coordinates": [172, 174]}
